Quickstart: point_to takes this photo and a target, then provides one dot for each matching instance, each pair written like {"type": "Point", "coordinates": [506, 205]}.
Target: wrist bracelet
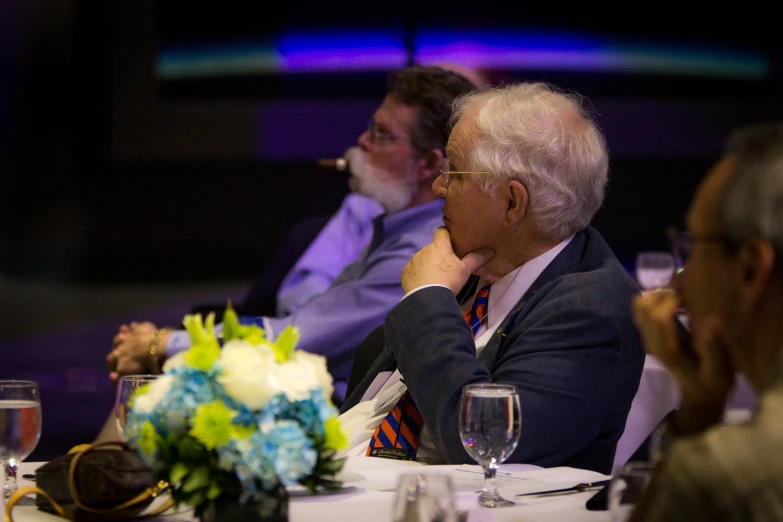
{"type": "Point", "coordinates": [153, 351]}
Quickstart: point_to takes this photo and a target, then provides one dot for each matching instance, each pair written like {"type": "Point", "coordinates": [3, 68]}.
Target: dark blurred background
{"type": "Point", "coordinates": [154, 155]}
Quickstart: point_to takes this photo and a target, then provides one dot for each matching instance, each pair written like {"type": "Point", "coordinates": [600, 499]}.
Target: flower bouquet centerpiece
{"type": "Point", "coordinates": [230, 428]}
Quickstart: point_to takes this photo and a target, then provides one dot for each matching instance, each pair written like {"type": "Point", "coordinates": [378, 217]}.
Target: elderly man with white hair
{"type": "Point", "coordinates": [541, 302]}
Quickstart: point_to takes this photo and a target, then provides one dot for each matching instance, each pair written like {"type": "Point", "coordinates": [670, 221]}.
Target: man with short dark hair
{"type": "Point", "coordinates": [732, 289]}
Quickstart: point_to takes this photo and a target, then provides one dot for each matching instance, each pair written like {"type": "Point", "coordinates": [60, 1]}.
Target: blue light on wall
{"type": "Point", "coordinates": [553, 51]}
{"type": "Point", "coordinates": [345, 51]}
{"type": "Point", "coordinates": [333, 51]}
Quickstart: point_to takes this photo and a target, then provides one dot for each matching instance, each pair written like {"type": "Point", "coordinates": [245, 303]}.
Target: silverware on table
{"type": "Point", "coordinates": [585, 486]}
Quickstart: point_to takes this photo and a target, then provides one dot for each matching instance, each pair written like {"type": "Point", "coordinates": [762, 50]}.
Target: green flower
{"type": "Point", "coordinates": [335, 436]}
{"type": "Point", "coordinates": [251, 333]}
{"type": "Point", "coordinates": [198, 331]}
{"type": "Point", "coordinates": [148, 438]}
{"type": "Point", "coordinates": [204, 349]}
{"type": "Point", "coordinates": [285, 343]}
{"type": "Point", "coordinates": [203, 356]}
{"type": "Point", "coordinates": [212, 424]}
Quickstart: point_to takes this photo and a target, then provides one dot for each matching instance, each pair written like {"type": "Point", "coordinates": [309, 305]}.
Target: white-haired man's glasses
{"type": "Point", "coordinates": [447, 174]}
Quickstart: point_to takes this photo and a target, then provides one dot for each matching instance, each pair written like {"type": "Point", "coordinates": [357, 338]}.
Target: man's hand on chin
{"type": "Point", "coordinates": [437, 264]}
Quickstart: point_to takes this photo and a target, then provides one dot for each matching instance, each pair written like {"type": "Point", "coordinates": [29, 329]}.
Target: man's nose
{"type": "Point", "coordinates": [364, 141]}
{"type": "Point", "coordinates": [439, 188]}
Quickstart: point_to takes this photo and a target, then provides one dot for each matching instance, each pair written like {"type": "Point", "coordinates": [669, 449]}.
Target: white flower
{"type": "Point", "coordinates": [245, 373]}
{"type": "Point", "coordinates": [317, 365]}
{"type": "Point", "coordinates": [155, 392]}
{"type": "Point", "coordinates": [175, 361]}
{"type": "Point", "coordinates": [295, 380]}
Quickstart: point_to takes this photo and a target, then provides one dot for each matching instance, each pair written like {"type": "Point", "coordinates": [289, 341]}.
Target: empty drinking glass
{"type": "Point", "coordinates": [654, 269]}
{"type": "Point", "coordinates": [489, 425]}
{"type": "Point", "coordinates": [125, 389]}
{"type": "Point", "coordinates": [424, 498]}
{"type": "Point", "coordinates": [20, 426]}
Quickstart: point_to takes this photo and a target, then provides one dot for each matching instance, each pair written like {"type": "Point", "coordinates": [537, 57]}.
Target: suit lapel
{"type": "Point", "coordinates": [564, 263]}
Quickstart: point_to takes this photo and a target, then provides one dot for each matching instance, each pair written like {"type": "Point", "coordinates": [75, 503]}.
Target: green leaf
{"type": "Point", "coordinates": [196, 499]}
{"type": "Point", "coordinates": [178, 472]}
{"type": "Point", "coordinates": [231, 327]}
{"type": "Point", "coordinates": [190, 450]}
{"type": "Point", "coordinates": [214, 490]}
{"type": "Point", "coordinates": [285, 343]}
{"type": "Point", "coordinates": [197, 479]}
{"type": "Point", "coordinates": [195, 327]}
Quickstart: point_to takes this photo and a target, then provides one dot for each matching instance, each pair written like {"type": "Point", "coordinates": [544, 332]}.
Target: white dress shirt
{"type": "Point", "coordinates": [361, 421]}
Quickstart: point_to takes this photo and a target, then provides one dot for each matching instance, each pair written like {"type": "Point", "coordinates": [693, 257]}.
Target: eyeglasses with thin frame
{"type": "Point", "coordinates": [682, 244]}
{"type": "Point", "coordinates": [446, 174]}
{"type": "Point", "coordinates": [377, 137]}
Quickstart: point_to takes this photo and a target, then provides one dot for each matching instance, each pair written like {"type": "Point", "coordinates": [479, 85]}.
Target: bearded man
{"type": "Point", "coordinates": [395, 163]}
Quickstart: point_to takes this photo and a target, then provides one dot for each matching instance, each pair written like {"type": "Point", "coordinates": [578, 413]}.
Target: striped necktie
{"type": "Point", "coordinates": [397, 437]}
{"type": "Point", "coordinates": [478, 311]}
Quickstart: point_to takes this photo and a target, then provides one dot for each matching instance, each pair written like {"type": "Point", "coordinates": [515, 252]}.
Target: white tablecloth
{"type": "Point", "coordinates": [659, 394]}
{"type": "Point", "coordinates": [368, 494]}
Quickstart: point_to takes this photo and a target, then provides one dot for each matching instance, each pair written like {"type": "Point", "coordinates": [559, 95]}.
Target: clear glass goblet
{"type": "Point", "coordinates": [20, 427]}
{"type": "Point", "coordinates": [654, 269]}
{"type": "Point", "coordinates": [489, 426]}
{"type": "Point", "coordinates": [125, 389]}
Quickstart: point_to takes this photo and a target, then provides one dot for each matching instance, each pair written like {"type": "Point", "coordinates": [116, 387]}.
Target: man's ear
{"type": "Point", "coordinates": [429, 165]}
{"type": "Point", "coordinates": [756, 267]}
{"type": "Point", "coordinates": [516, 202]}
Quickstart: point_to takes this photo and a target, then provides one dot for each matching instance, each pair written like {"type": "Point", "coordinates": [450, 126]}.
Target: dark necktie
{"type": "Point", "coordinates": [397, 437]}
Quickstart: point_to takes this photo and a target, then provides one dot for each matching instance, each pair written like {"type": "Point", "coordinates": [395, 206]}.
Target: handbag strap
{"type": "Point", "coordinates": [150, 492]}
{"type": "Point", "coordinates": [19, 493]}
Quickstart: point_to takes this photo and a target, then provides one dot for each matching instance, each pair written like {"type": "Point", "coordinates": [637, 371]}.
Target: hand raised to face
{"type": "Point", "coordinates": [437, 264]}
{"type": "Point", "coordinates": [699, 362]}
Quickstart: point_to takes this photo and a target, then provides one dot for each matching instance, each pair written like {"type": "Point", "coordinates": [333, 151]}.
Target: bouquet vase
{"type": "Point", "coordinates": [266, 506]}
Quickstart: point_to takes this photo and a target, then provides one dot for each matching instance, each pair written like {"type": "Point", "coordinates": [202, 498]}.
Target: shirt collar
{"type": "Point", "coordinates": [509, 289]}
{"type": "Point", "coordinates": [400, 222]}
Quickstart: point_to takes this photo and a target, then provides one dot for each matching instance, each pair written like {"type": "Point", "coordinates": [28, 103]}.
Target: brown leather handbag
{"type": "Point", "coordinates": [91, 483]}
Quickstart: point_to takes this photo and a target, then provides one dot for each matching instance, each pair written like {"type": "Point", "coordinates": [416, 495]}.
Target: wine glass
{"type": "Point", "coordinates": [489, 426]}
{"type": "Point", "coordinates": [654, 269]}
{"type": "Point", "coordinates": [20, 426]}
{"type": "Point", "coordinates": [125, 389]}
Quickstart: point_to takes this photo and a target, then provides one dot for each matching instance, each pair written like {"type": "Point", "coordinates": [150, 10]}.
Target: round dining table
{"type": "Point", "coordinates": [369, 486]}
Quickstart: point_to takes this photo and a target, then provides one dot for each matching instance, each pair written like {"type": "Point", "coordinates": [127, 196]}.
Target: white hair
{"type": "Point", "coordinates": [545, 139]}
{"type": "Point", "coordinates": [751, 204]}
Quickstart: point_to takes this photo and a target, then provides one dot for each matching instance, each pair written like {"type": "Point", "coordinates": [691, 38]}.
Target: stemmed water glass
{"type": "Point", "coordinates": [489, 426]}
{"type": "Point", "coordinates": [20, 426]}
{"type": "Point", "coordinates": [654, 269]}
{"type": "Point", "coordinates": [125, 389]}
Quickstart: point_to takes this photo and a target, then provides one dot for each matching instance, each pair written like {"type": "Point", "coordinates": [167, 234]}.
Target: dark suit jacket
{"type": "Point", "coordinates": [569, 346]}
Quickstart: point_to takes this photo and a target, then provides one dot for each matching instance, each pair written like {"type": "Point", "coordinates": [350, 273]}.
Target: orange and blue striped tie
{"type": "Point", "coordinates": [478, 311]}
{"type": "Point", "coordinates": [398, 435]}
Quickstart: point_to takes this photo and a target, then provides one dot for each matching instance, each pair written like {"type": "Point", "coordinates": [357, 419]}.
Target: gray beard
{"type": "Point", "coordinates": [377, 184]}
